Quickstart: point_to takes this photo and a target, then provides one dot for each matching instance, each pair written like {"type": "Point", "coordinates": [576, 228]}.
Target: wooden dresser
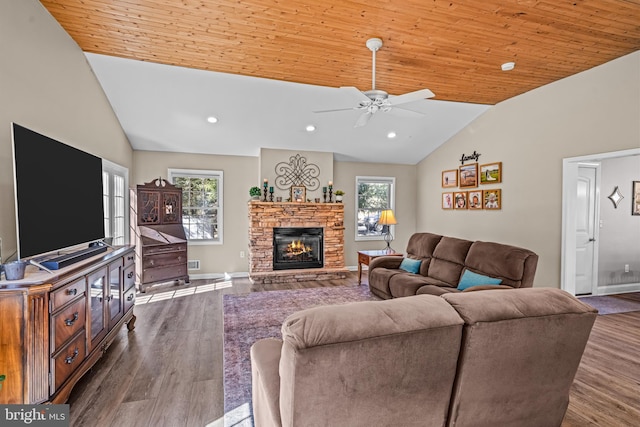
{"type": "Point", "coordinates": [55, 327]}
{"type": "Point", "coordinates": [162, 243]}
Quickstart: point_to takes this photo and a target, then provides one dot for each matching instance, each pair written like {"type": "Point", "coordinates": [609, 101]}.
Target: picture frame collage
{"type": "Point", "coordinates": [465, 193]}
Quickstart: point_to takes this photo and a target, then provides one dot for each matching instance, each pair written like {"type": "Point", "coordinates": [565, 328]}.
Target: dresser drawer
{"type": "Point", "coordinates": [159, 249]}
{"type": "Point", "coordinates": [163, 273]}
{"type": "Point", "coordinates": [163, 260]}
{"type": "Point", "coordinates": [67, 360]}
{"type": "Point", "coordinates": [129, 298]}
{"type": "Point", "coordinates": [129, 276]}
{"type": "Point", "coordinates": [68, 292]}
{"type": "Point", "coordinates": [67, 323]}
{"type": "Point", "coordinates": [129, 259]}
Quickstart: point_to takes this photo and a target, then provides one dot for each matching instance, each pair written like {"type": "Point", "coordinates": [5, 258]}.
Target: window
{"type": "Point", "coordinates": [375, 194]}
{"type": "Point", "coordinates": [116, 200]}
{"type": "Point", "coordinates": [201, 203]}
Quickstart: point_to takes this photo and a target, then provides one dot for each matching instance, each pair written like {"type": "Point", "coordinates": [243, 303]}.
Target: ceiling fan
{"type": "Point", "coordinates": [375, 100]}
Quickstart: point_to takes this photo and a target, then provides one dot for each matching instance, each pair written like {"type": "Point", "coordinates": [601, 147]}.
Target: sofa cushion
{"type": "Point", "coordinates": [470, 279]}
{"type": "Point", "coordinates": [504, 261]}
{"type": "Point", "coordinates": [370, 363]}
{"type": "Point", "coordinates": [521, 349]}
{"type": "Point", "coordinates": [410, 265]}
{"type": "Point", "coordinates": [448, 259]}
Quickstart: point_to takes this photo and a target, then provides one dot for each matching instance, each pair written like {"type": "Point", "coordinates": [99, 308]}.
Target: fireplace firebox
{"type": "Point", "coordinates": [297, 247]}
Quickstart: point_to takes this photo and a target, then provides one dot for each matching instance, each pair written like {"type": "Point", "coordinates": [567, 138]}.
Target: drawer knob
{"type": "Point", "coordinates": [69, 359]}
{"type": "Point", "coordinates": [130, 275]}
{"type": "Point", "coordinates": [70, 322]}
{"type": "Point", "coordinates": [72, 291]}
{"type": "Point", "coordinates": [130, 297]}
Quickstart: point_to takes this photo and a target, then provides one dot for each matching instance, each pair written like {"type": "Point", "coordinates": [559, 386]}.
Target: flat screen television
{"type": "Point", "coordinates": [58, 189]}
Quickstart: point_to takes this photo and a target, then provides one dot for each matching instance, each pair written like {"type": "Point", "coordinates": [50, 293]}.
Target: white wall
{"type": "Point", "coordinates": [619, 239]}
{"type": "Point", "coordinates": [592, 112]}
{"type": "Point", "coordinates": [47, 85]}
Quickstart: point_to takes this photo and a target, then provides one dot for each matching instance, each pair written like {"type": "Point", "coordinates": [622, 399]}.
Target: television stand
{"type": "Point", "coordinates": [66, 260]}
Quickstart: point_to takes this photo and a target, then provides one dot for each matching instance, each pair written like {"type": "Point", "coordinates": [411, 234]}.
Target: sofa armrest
{"type": "Point", "coordinates": [265, 380]}
{"type": "Point", "coordinates": [392, 262]}
{"type": "Point", "coordinates": [487, 288]}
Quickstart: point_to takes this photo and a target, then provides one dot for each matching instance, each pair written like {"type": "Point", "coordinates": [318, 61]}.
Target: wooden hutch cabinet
{"type": "Point", "coordinates": [162, 243]}
{"type": "Point", "coordinates": [55, 326]}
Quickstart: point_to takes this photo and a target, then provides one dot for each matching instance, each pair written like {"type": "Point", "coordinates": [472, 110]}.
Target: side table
{"type": "Point", "coordinates": [365, 257]}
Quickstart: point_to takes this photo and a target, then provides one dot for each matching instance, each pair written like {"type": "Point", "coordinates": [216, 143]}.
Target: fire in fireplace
{"type": "Point", "coordinates": [297, 247]}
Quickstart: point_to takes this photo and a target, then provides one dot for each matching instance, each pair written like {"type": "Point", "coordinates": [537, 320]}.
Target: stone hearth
{"type": "Point", "coordinates": [264, 216]}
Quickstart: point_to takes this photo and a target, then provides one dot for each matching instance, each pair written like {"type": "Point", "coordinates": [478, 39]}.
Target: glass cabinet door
{"type": "Point", "coordinates": [115, 292]}
{"type": "Point", "coordinates": [96, 282]}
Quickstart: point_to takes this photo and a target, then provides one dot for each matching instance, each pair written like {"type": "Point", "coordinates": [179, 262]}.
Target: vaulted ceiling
{"type": "Point", "coordinates": [454, 48]}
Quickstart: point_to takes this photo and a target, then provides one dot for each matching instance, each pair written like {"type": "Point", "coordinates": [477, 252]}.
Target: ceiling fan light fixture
{"type": "Point", "coordinates": [508, 66]}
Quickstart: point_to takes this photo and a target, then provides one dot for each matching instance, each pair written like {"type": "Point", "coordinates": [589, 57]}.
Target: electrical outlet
{"type": "Point", "coordinates": [241, 254]}
{"type": "Point", "coordinates": [626, 268]}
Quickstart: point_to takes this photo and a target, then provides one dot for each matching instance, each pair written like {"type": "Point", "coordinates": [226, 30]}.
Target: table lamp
{"type": "Point", "coordinates": [387, 219]}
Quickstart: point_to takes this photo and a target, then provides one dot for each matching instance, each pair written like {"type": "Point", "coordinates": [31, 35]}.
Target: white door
{"type": "Point", "coordinates": [586, 245]}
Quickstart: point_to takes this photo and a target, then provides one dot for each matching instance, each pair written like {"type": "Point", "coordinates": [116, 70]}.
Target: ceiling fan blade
{"type": "Point", "coordinates": [355, 92]}
{"type": "Point", "coordinates": [411, 96]}
{"type": "Point", "coordinates": [363, 119]}
{"type": "Point", "coordinates": [337, 109]}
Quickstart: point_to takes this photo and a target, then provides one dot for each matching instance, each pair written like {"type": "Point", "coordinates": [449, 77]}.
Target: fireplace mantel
{"type": "Point", "coordinates": [264, 216]}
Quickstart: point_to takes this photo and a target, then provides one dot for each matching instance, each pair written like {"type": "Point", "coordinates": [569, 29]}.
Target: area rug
{"type": "Point", "coordinates": [248, 318]}
{"type": "Point", "coordinates": [613, 304]}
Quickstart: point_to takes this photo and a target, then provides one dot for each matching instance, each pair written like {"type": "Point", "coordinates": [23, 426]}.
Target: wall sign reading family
{"type": "Point", "coordinates": [471, 176]}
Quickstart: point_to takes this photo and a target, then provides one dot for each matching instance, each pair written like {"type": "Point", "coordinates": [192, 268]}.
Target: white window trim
{"type": "Point", "coordinates": [114, 168]}
{"type": "Point", "coordinates": [382, 179]}
{"type": "Point", "coordinates": [204, 173]}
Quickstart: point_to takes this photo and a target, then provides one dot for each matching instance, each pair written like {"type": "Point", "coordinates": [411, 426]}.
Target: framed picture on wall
{"type": "Point", "coordinates": [635, 198]}
{"type": "Point", "coordinates": [450, 178]}
{"type": "Point", "coordinates": [460, 200]}
{"type": "Point", "coordinates": [298, 193]}
{"type": "Point", "coordinates": [492, 199]}
{"type": "Point", "coordinates": [468, 175]}
{"type": "Point", "coordinates": [491, 173]}
{"type": "Point", "coordinates": [474, 200]}
{"type": "Point", "coordinates": [447, 200]}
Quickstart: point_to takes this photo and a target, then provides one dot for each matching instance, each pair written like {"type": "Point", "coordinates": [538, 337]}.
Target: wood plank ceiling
{"type": "Point", "coordinates": [454, 48]}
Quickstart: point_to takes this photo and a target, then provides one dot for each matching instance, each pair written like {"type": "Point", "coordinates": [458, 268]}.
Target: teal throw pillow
{"type": "Point", "coordinates": [410, 265]}
{"type": "Point", "coordinates": [469, 279]}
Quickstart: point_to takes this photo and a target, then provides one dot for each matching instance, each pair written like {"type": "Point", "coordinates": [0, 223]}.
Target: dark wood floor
{"type": "Point", "coordinates": [168, 371]}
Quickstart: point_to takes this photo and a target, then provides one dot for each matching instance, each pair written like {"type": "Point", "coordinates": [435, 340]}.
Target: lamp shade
{"type": "Point", "coordinates": [387, 218]}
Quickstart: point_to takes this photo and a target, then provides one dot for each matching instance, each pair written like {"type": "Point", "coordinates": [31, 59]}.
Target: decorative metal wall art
{"type": "Point", "coordinates": [616, 197]}
{"type": "Point", "coordinates": [297, 173]}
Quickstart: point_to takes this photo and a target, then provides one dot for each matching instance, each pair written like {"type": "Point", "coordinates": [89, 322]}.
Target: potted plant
{"type": "Point", "coordinates": [255, 193]}
{"type": "Point", "coordinates": [339, 194]}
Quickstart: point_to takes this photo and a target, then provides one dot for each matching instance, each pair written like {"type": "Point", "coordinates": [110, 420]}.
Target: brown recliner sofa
{"type": "Point", "coordinates": [482, 359]}
{"type": "Point", "coordinates": [443, 262]}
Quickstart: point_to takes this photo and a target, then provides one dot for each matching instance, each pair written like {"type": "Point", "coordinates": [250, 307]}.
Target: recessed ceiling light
{"type": "Point", "coordinates": [310, 128]}
{"type": "Point", "coordinates": [391, 135]}
{"type": "Point", "coordinates": [508, 66]}
{"type": "Point", "coordinates": [212, 119]}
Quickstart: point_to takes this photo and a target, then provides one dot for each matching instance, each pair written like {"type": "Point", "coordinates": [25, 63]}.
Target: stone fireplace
{"type": "Point", "coordinates": [328, 218]}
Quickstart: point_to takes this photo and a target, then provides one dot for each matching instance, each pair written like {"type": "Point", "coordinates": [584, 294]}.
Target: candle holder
{"type": "Point", "coordinates": [265, 194]}
{"type": "Point", "coordinates": [330, 194]}
{"type": "Point", "coordinates": [271, 194]}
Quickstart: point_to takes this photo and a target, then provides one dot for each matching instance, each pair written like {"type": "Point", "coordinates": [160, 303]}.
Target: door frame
{"type": "Point", "coordinates": [569, 206]}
